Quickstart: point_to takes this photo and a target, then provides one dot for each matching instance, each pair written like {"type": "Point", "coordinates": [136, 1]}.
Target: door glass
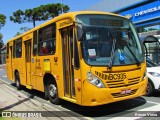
{"type": "Point", "coordinates": [70, 32]}
{"type": "Point", "coordinates": [67, 45]}
{"type": "Point", "coordinates": [65, 61]}
{"type": "Point", "coordinates": [28, 61]}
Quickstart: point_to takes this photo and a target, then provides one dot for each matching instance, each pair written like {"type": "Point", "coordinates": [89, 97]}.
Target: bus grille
{"type": "Point", "coordinates": [118, 83]}
{"type": "Point", "coordinates": [117, 95]}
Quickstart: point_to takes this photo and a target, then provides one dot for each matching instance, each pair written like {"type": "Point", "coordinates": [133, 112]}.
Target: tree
{"type": "Point", "coordinates": [1, 42]}
{"type": "Point", "coordinates": [18, 33]}
{"type": "Point", "coordinates": [2, 20]}
{"type": "Point", "coordinates": [43, 12]}
{"type": "Point", "coordinates": [2, 23]}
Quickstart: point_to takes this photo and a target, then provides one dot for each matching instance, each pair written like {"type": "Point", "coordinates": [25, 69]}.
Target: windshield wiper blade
{"type": "Point", "coordinates": [126, 44]}
{"type": "Point", "coordinates": [112, 54]}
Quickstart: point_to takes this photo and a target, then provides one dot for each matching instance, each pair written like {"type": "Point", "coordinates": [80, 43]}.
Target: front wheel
{"type": "Point", "coordinates": [149, 90]}
{"type": "Point", "coordinates": [53, 92]}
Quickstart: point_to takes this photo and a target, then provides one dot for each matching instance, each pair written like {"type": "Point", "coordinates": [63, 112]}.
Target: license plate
{"type": "Point", "coordinates": [125, 91]}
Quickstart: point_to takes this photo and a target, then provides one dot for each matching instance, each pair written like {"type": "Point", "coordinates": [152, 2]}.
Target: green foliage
{"type": "Point", "coordinates": [41, 13]}
{"type": "Point", "coordinates": [1, 41]}
{"type": "Point", "coordinates": [25, 29]}
{"type": "Point", "coordinates": [18, 33]}
{"type": "Point", "coordinates": [1, 36]}
{"type": "Point", "coordinates": [2, 20]}
{"type": "Point", "coordinates": [2, 23]}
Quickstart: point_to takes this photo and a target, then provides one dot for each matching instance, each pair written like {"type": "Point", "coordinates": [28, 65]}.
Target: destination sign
{"type": "Point", "coordinates": [106, 22]}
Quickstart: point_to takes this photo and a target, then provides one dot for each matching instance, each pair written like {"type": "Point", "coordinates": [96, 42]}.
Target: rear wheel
{"type": "Point", "coordinates": [17, 81]}
{"type": "Point", "coordinates": [53, 92]}
{"type": "Point", "coordinates": [149, 90]}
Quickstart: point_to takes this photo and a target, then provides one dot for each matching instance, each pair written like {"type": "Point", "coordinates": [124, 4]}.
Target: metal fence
{"type": "Point", "coordinates": [3, 59]}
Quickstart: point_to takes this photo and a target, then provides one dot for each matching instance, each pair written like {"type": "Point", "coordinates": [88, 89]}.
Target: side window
{"type": "Point", "coordinates": [35, 43]}
{"type": "Point", "coordinates": [18, 48]}
{"type": "Point", "coordinates": [47, 40]}
{"type": "Point", "coordinates": [7, 50]}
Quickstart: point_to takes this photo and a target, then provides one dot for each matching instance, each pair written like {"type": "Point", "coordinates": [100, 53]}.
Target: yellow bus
{"type": "Point", "coordinates": [89, 58]}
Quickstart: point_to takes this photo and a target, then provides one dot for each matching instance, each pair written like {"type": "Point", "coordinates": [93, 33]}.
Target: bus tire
{"type": "Point", "coordinates": [17, 81]}
{"type": "Point", "coordinates": [46, 94]}
{"type": "Point", "coordinates": [53, 92]}
{"type": "Point", "coordinates": [149, 90]}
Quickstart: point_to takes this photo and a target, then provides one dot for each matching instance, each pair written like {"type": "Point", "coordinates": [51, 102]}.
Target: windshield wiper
{"type": "Point", "coordinates": [126, 44]}
{"type": "Point", "coordinates": [135, 58]}
{"type": "Point", "coordinates": [112, 54]}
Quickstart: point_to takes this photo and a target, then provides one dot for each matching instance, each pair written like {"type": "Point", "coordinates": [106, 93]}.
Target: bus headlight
{"type": "Point", "coordinates": [94, 80]}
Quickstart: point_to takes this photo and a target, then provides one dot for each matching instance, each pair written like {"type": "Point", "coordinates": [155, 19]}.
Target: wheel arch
{"type": "Point", "coordinates": [149, 80]}
{"type": "Point", "coordinates": [45, 82]}
{"type": "Point", "coordinates": [48, 75]}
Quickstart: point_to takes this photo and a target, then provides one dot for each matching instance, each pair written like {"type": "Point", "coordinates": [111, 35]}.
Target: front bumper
{"type": "Point", "coordinates": [94, 96]}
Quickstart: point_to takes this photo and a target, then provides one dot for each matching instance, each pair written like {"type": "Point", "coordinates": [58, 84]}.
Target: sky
{"type": "Point", "coordinates": [7, 7]}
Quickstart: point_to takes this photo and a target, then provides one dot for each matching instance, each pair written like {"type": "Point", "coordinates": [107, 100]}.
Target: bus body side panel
{"type": "Point", "coordinates": [19, 66]}
{"type": "Point", "coordinates": [39, 73]}
{"type": "Point", "coordinates": [33, 69]}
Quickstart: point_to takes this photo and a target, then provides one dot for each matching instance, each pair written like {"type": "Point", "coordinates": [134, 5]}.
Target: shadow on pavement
{"type": "Point", "coordinates": [13, 105]}
{"type": "Point", "coordinates": [104, 110]}
{"type": "Point", "coordinates": [31, 93]}
{"type": "Point", "coordinates": [95, 111]}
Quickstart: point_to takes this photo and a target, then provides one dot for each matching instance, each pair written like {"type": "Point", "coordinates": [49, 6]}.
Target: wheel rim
{"type": "Point", "coordinates": [52, 90]}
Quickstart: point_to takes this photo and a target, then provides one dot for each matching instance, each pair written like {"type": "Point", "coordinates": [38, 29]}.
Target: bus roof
{"type": "Point", "coordinates": [62, 16]}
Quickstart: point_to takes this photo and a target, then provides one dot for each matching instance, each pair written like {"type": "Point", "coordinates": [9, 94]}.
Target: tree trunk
{"type": "Point", "coordinates": [34, 22]}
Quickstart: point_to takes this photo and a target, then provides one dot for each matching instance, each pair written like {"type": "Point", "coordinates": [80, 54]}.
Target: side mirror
{"type": "Point", "coordinates": [80, 31]}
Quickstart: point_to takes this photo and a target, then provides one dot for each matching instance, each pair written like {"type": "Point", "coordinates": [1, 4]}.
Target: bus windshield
{"type": "Point", "coordinates": [109, 40]}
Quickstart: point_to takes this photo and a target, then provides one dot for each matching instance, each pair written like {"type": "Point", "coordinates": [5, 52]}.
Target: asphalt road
{"type": "Point", "coordinates": [141, 108]}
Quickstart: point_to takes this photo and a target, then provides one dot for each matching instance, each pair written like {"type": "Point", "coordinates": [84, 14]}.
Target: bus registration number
{"type": "Point", "coordinates": [125, 91]}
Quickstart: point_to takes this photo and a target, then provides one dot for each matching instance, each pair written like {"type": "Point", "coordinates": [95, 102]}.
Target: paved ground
{"type": "Point", "coordinates": [27, 108]}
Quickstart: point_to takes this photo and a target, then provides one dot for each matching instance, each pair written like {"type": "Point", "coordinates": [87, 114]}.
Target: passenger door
{"type": "Point", "coordinates": [68, 66]}
{"type": "Point", "coordinates": [28, 61]}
